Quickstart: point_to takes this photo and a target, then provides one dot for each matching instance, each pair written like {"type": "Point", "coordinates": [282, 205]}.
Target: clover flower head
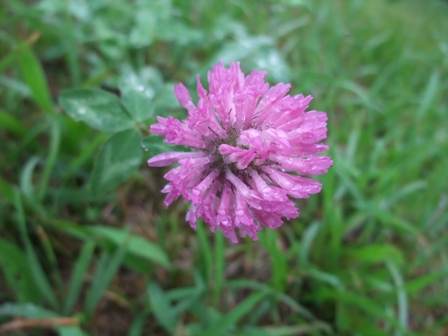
{"type": "Point", "coordinates": [251, 144]}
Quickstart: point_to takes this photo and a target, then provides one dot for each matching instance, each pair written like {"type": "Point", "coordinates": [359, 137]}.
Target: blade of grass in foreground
{"type": "Point", "coordinates": [236, 314]}
{"type": "Point", "coordinates": [78, 274]}
{"type": "Point", "coordinates": [106, 270]}
{"type": "Point", "coordinates": [219, 266]}
{"type": "Point", "coordinates": [33, 262]}
{"type": "Point", "coordinates": [35, 78]}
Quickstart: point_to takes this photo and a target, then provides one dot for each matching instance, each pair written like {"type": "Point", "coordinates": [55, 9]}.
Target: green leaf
{"type": "Point", "coordinates": [376, 253]}
{"type": "Point", "coordinates": [137, 246]}
{"type": "Point", "coordinates": [6, 190]}
{"type": "Point", "coordinates": [161, 307]}
{"type": "Point", "coordinates": [415, 285]}
{"type": "Point", "coordinates": [116, 161]}
{"type": "Point", "coordinates": [137, 97]}
{"type": "Point", "coordinates": [78, 274]}
{"type": "Point", "coordinates": [288, 300]}
{"type": "Point", "coordinates": [373, 308]}
{"type": "Point", "coordinates": [138, 325]}
{"type": "Point", "coordinates": [146, 25]}
{"type": "Point", "coordinates": [219, 276]}
{"type": "Point", "coordinates": [11, 57]}
{"type": "Point", "coordinates": [166, 100]}
{"type": "Point", "coordinates": [207, 252]}
{"type": "Point", "coordinates": [36, 269]}
{"type": "Point", "coordinates": [35, 78]}
{"type": "Point", "coordinates": [17, 272]}
{"type": "Point", "coordinates": [253, 331]}
{"type": "Point", "coordinates": [104, 273]}
{"type": "Point", "coordinates": [279, 263]}
{"type": "Point", "coordinates": [303, 329]}
{"type": "Point", "coordinates": [98, 109]}
{"type": "Point", "coordinates": [231, 318]}
{"type": "Point", "coordinates": [12, 124]}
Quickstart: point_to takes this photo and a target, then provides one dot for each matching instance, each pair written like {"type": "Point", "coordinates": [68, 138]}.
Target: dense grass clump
{"type": "Point", "coordinates": [86, 246]}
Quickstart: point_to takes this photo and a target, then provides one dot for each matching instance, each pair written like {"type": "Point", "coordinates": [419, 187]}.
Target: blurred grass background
{"type": "Point", "coordinates": [367, 256]}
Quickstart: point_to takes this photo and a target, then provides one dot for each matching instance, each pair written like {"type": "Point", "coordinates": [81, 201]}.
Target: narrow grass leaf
{"type": "Point", "coordinates": [219, 265]}
{"type": "Point", "coordinates": [162, 308]}
{"type": "Point", "coordinates": [104, 274]}
{"type": "Point", "coordinates": [138, 325]}
{"type": "Point", "coordinates": [429, 94]}
{"type": "Point", "coordinates": [78, 275]}
{"type": "Point", "coordinates": [11, 124]}
{"type": "Point", "coordinates": [307, 242]}
{"type": "Point", "coordinates": [33, 262]}
{"type": "Point", "coordinates": [11, 57]}
{"type": "Point", "coordinates": [279, 272]}
{"type": "Point", "coordinates": [14, 265]}
{"type": "Point", "coordinates": [6, 190]}
{"type": "Point", "coordinates": [55, 141]}
{"type": "Point", "coordinates": [253, 331]}
{"type": "Point", "coordinates": [303, 329]}
{"type": "Point", "coordinates": [205, 251]}
{"type": "Point", "coordinates": [367, 305]}
{"type": "Point", "coordinates": [415, 285]}
{"type": "Point", "coordinates": [137, 246]}
{"type": "Point", "coordinates": [27, 186]}
{"type": "Point", "coordinates": [86, 154]}
{"type": "Point", "coordinates": [26, 178]}
{"type": "Point", "coordinates": [402, 298]}
{"type": "Point", "coordinates": [325, 277]}
{"type": "Point", "coordinates": [388, 218]}
{"type": "Point", "coordinates": [221, 326]}
{"type": "Point", "coordinates": [35, 78]}
{"type": "Point", "coordinates": [289, 301]}
{"type": "Point", "coordinates": [376, 253]}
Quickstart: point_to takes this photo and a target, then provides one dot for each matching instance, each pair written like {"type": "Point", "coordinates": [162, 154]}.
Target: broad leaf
{"type": "Point", "coordinates": [137, 96]}
{"type": "Point", "coordinates": [98, 109]}
{"type": "Point", "coordinates": [116, 161]}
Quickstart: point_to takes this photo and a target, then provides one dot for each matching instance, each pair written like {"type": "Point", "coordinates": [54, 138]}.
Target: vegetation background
{"type": "Point", "coordinates": [86, 246]}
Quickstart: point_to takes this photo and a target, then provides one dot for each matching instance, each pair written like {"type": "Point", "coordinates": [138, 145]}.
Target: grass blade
{"type": "Point", "coordinates": [219, 266]}
{"type": "Point", "coordinates": [103, 277]}
{"type": "Point", "coordinates": [78, 274]}
{"type": "Point", "coordinates": [35, 78]}
{"type": "Point", "coordinates": [33, 262]}
{"type": "Point", "coordinates": [230, 319]}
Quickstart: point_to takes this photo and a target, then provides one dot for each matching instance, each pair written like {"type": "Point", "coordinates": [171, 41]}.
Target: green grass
{"type": "Point", "coordinates": [367, 256]}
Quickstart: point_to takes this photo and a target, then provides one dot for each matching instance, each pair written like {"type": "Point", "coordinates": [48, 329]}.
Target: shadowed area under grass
{"type": "Point", "coordinates": [85, 239]}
